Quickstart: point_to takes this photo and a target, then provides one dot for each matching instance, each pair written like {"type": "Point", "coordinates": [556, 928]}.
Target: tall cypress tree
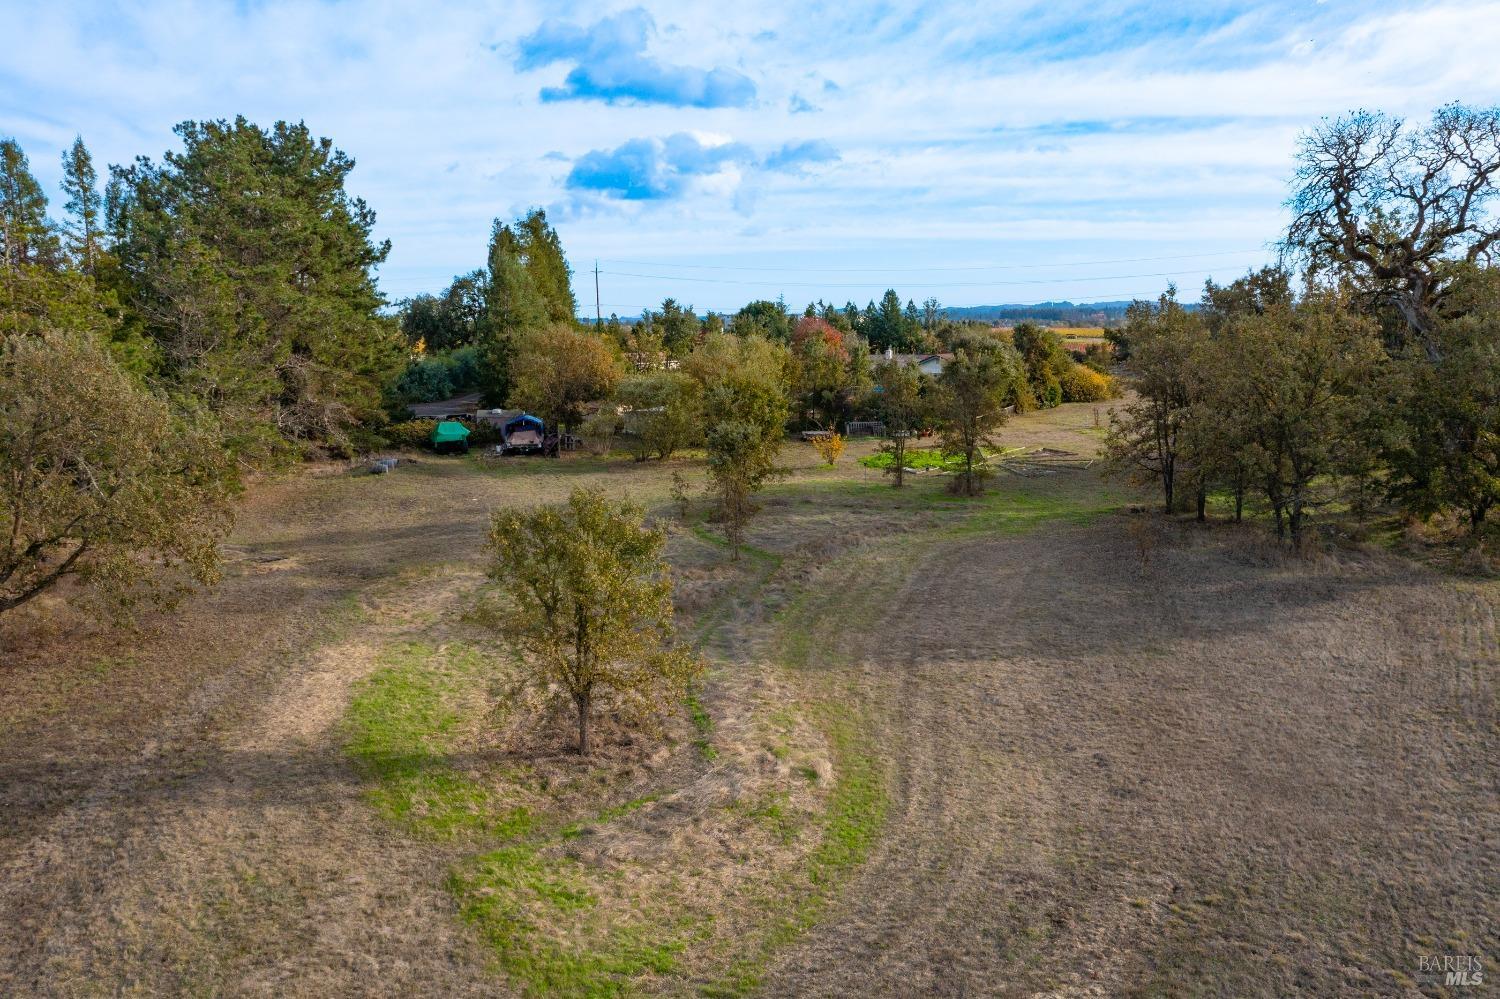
{"type": "Point", "coordinates": [514, 308]}
{"type": "Point", "coordinates": [542, 252]}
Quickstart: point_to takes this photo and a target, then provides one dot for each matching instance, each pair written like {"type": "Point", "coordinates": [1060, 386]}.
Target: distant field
{"type": "Point", "coordinates": [1029, 744]}
{"type": "Point", "coordinates": [1072, 334]}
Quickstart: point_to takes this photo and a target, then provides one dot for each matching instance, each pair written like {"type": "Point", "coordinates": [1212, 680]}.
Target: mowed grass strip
{"type": "Point", "coordinates": [547, 931]}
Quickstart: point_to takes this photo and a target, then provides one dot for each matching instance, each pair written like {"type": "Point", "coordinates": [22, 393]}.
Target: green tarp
{"type": "Point", "coordinates": [449, 432]}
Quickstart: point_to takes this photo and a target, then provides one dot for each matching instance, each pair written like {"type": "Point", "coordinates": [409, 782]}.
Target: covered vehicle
{"type": "Point", "coordinates": [450, 437]}
{"type": "Point", "coordinates": [522, 434]}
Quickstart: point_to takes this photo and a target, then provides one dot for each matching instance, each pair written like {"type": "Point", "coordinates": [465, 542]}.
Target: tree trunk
{"type": "Point", "coordinates": [1166, 485]}
{"type": "Point", "coordinates": [583, 703]}
{"type": "Point", "coordinates": [1202, 502]}
{"type": "Point", "coordinates": [1239, 502]}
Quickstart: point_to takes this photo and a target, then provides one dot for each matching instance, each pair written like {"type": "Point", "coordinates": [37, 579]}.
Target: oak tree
{"type": "Point", "coordinates": [100, 479]}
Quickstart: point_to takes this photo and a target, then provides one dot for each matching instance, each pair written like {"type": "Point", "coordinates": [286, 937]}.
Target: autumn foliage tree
{"type": "Point", "coordinates": [556, 371]}
{"type": "Point", "coordinates": [830, 372]}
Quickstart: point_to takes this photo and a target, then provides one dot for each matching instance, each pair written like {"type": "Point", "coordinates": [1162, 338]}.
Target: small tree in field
{"type": "Point", "coordinates": [830, 447]}
{"type": "Point", "coordinates": [1148, 439]}
{"type": "Point", "coordinates": [971, 405]}
{"type": "Point", "coordinates": [745, 411]}
{"type": "Point", "coordinates": [736, 469]}
{"type": "Point", "coordinates": [593, 605]}
{"type": "Point", "coordinates": [901, 406]}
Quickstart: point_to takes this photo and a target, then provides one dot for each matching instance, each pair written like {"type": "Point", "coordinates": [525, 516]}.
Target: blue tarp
{"type": "Point", "coordinates": [524, 422]}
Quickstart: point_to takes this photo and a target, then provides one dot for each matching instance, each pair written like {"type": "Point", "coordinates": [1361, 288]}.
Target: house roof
{"type": "Point", "coordinates": [907, 359]}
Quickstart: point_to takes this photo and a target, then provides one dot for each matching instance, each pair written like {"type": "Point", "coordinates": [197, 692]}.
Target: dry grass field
{"type": "Point", "coordinates": [1028, 744]}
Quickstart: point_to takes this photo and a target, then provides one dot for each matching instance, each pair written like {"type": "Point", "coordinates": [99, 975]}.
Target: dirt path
{"type": "Point", "coordinates": [1207, 779]}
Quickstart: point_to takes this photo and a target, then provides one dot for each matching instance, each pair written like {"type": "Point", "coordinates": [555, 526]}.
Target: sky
{"type": "Point", "coordinates": [978, 153]}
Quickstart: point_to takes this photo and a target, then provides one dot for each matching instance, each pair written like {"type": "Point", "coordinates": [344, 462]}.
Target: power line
{"type": "Point", "coordinates": [925, 270]}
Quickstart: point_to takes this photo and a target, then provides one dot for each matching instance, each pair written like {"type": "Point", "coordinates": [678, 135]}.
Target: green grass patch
{"type": "Point", "coordinates": [403, 723]}
{"type": "Point", "coordinates": [535, 909]}
{"type": "Point", "coordinates": [703, 726]}
{"type": "Point", "coordinates": [923, 459]}
{"type": "Point", "coordinates": [524, 905]}
{"type": "Point", "coordinates": [930, 459]}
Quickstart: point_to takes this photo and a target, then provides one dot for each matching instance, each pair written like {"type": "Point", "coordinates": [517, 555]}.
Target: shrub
{"type": "Point", "coordinates": [1084, 384]}
{"type": "Point", "coordinates": [1098, 357]}
{"type": "Point", "coordinates": [664, 413]}
{"type": "Point", "coordinates": [439, 376]}
{"type": "Point", "coordinates": [424, 380]}
{"type": "Point", "coordinates": [410, 433]}
{"type": "Point", "coordinates": [830, 447]}
{"type": "Point", "coordinates": [598, 431]}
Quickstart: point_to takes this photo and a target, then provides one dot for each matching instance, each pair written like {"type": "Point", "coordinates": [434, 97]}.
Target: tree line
{"type": "Point", "coordinates": [1363, 370]}
{"type": "Point", "coordinates": [215, 312]}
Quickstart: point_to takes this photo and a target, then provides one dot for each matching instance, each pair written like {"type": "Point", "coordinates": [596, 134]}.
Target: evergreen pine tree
{"type": "Point", "coordinates": [26, 235]}
{"type": "Point", "coordinates": [84, 206]}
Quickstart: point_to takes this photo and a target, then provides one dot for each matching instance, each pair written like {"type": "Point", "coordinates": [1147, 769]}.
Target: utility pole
{"type": "Point", "coordinates": [598, 313]}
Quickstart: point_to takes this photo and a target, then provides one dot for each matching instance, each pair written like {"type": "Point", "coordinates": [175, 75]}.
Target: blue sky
{"type": "Point", "coordinates": [998, 152]}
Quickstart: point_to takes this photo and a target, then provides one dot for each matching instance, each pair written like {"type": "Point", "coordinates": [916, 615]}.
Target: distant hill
{"type": "Point", "coordinates": [1069, 313]}
{"type": "Point", "coordinates": [1055, 313]}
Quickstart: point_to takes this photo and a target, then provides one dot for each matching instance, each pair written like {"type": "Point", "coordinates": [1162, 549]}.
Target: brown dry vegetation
{"type": "Point", "coordinates": [1066, 770]}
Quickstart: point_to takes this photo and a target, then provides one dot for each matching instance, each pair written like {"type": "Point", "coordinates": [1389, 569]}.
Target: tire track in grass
{"type": "Point", "coordinates": [540, 912]}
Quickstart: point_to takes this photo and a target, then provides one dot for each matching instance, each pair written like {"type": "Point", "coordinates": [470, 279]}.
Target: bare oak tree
{"type": "Point", "coordinates": [1387, 206]}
